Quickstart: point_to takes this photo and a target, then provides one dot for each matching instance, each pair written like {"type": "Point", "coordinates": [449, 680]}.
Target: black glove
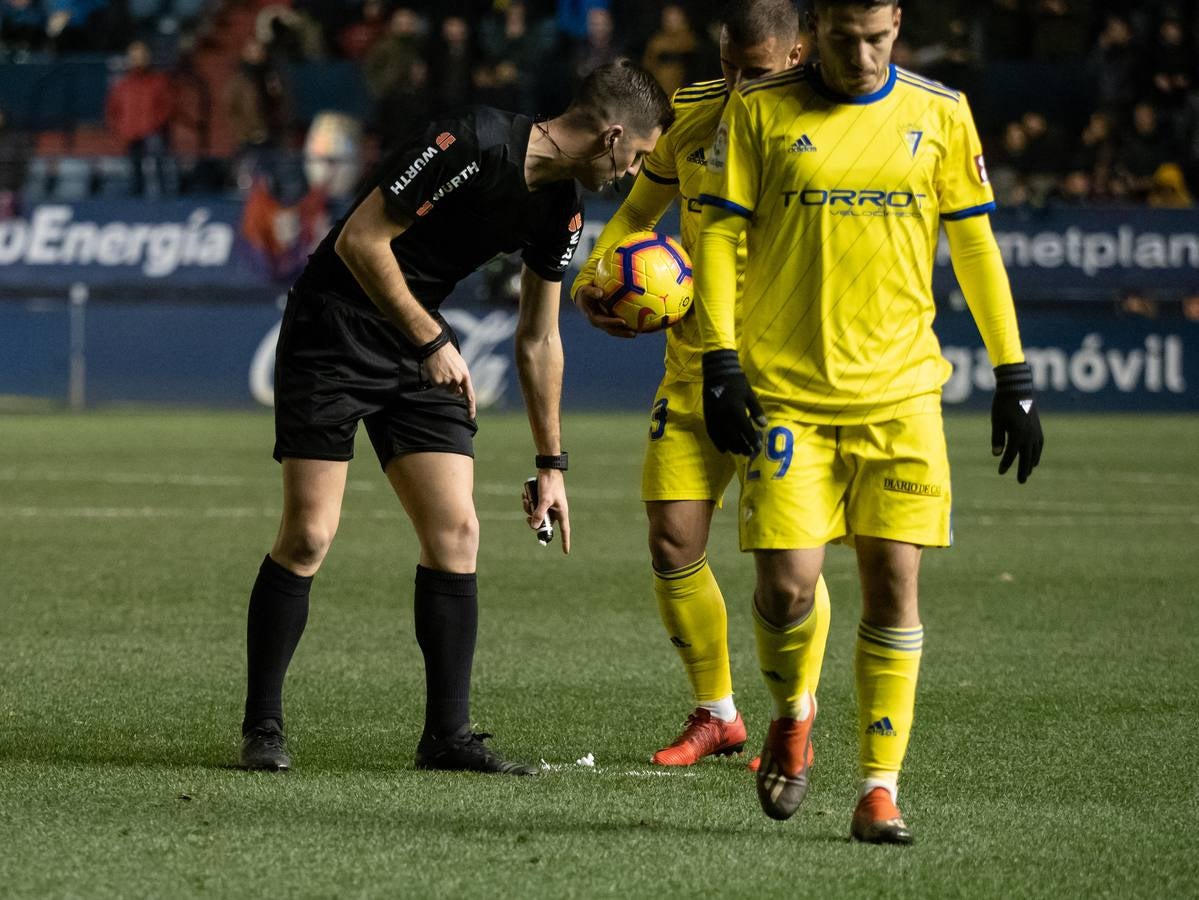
{"type": "Point", "coordinates": [1015, 425]}
{"type": "Point", "coordinates": [732, 413]}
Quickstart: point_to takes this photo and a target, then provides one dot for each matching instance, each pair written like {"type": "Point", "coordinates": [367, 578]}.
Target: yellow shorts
{"type": "Point", "coordinates": [680, 461]}
{"type": "Point", "coordinates": [813, 484]}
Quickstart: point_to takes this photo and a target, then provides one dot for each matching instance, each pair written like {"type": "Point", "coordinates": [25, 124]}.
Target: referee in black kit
{"type": "Point", "coordinates": [362, 341]}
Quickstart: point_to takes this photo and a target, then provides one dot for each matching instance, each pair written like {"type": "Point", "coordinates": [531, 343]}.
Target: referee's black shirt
{"type": "Point", "coordinates": [462, 183]}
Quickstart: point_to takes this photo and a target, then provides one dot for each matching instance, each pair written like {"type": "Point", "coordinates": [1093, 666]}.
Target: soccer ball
{"type": "Point", "coordinates": [646, 280]}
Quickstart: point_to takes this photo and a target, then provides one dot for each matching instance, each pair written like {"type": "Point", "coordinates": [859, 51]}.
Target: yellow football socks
{"type": "Point", "coordinates": [692, 609]}
{"type": "Point", "coordinates": [886, 664]}
{"type": "Point", "coordinates": [791, 657]}
{"type": "Point", "coordinates": [815, 652]}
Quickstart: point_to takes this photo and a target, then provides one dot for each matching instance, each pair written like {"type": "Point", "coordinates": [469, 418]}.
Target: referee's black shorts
{"type": "Point", "coordinates": [336, 365]}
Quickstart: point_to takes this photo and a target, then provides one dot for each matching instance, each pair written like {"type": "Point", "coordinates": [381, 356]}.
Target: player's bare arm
{"type": "Point", "coordinates": [364, 245]}
{"type": "Point", "coordinates": [539, 363]}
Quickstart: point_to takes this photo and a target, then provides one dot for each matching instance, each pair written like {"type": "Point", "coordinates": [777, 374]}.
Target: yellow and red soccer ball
{"type": "Point", "coordinates": [646, 280]}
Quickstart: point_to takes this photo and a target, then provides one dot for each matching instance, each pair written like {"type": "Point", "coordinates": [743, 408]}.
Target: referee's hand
{"type": "Point", "coordinates": [551, 501]}
{"type": "Point", "coordinates": [446, 368]}
{"type": "Point", "coordinates": [590, 299]}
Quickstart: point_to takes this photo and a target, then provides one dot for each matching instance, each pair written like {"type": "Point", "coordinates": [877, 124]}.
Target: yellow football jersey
{"type": "Point", "coordinates": [844, 198]}
{"type": "Point", "coordinates": [680, 157]}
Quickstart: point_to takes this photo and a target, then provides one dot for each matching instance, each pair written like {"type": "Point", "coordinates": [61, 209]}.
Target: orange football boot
{"type": "Point", "coordinates": [877, 820]}
{"type": "Point", "coordinates": [703, 735]}
{"type": "Point", "coordinates": [756, 762]}
{"type": "Point", "coordinates": [782, 777]}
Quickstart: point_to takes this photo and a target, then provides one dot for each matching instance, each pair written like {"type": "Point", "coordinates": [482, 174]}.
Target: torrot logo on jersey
{"type": "Point", "coordinates": [413, 170]}
{"type": "Point", "coordinates": [871, 202]}
{"type": "Point", "coordinates": [444, 140]}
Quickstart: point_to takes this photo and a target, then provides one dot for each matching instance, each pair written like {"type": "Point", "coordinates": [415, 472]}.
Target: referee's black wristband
{"type": "Point", "coordinates": [556, 461]}
{"type": "Point", "coordinates": [424, 351]}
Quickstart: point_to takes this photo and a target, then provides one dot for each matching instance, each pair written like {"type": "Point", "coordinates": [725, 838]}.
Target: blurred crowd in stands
{"type": "Point", "coordinates": [218, 71]}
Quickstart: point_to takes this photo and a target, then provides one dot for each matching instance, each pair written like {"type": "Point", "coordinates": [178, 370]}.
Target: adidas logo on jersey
{"type": "Point", "coordinates": [803, 144]}
{"type": "Point", "coordinates": [697, 156]}
{"type": "Point", "coordinates": [882, 727]}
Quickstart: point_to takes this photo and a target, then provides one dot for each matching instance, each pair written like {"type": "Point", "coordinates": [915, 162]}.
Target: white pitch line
{"type": "Point", "coordinates": [1093, 476]}
{"type": "Point", "coordinates": [495, 488]}
{"type": "Point", "coordinates": [563, 768]}
{"type": "Point", "coordinates": [212, 512]}
{"type": "Point", "coordinates": [175, 480]}
{"type": "Point", "coordinates": [358, 485]}
{"type": "Point", "coordinates": [1072, 506]}
{"type": "Point", "coordinates": [1056, 521]}
{"type": "Point", "coordinates": [1101, 516]}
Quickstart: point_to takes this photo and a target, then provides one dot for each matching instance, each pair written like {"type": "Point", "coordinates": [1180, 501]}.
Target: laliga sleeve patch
{"type": "Point", "coordinates": [980, 165]}
{"type": "Point", "coordinates": [720, 148]}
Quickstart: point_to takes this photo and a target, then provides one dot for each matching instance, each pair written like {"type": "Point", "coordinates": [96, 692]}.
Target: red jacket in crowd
{"type": "Point", "coordinates": [139, 105]}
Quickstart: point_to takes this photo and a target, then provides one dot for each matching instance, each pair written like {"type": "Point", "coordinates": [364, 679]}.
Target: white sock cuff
{"type": "Point", "coordinates": [889, 781]}
{"type": "Point", "coordinates": [724, 708]}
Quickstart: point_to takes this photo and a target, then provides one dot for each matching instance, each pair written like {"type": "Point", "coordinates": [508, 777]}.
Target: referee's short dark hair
{"type": "Point", "coordinates": [753, 22]}
{"type": "Point", "coordinates": [621, 91]}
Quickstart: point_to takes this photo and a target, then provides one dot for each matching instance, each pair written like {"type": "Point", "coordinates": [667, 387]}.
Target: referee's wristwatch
{"type": "Point", "coordinates": [552, 461]}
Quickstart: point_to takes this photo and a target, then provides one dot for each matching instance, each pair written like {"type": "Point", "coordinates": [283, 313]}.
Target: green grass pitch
{"type": "Point", "coordinates": [1054, 748]}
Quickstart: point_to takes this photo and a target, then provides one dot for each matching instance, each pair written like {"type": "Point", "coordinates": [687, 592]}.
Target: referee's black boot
{"type": "Point", "coordinates": [263, 747]}
{"type": "Point", "coordinates": [464, 751]}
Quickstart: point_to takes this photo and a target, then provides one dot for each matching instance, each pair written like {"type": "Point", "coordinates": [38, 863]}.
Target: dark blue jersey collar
{"type": "Point", "coordinates": [819, 85]}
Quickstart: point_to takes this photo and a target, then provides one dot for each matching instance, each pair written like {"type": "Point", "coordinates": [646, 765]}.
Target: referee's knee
{"type": "Point", "coordinates": [303, 549]}
{"type": "Point", "coordinates": [452, 545]}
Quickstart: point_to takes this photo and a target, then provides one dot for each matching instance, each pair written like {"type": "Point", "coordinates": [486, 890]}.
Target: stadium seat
{"type": "Point", "coordinates": [72, 178]}
{"type": "Point", "coordinates": [144, 10]}
{"type": "Point", "coordinates": [187, 10]}
{"type": "Point", "coordinates": [115, 174]}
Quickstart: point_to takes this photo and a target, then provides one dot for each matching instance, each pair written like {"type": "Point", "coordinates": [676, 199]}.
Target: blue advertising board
{"type": "Point", "coordinates": [214, 347]}
{"type": "Point", "coordinates": [222, 354]}
{"type": "Point", "coordinates": [1062, 254]}
{"type": "Point", "coordinates": [141, 247]}
{"type": "Point", "coordinates": [1091, 254]}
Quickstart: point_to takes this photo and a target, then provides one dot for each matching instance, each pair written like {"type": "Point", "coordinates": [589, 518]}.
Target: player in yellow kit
{"type": "Point", "coordinates": [684, 476]}
{"type": "Point", "coordinates": [838, 175]}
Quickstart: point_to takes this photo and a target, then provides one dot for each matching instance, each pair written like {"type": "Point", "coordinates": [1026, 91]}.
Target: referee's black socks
{"type": "Point", "coordinates": [278, 614]}
{"type": "Point", "coordinates": [447, 620]}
